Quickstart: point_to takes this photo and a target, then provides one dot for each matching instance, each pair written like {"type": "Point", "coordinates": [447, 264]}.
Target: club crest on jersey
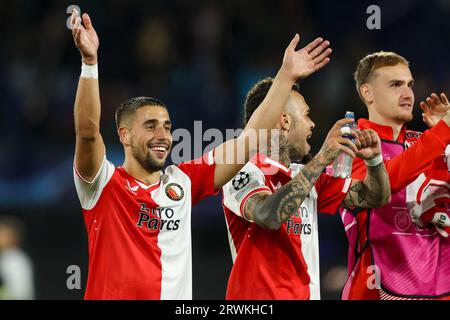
{"type": "Point", "coordinates": [174, 191]}
{"type": "Point", "coordinates": [241, 180]}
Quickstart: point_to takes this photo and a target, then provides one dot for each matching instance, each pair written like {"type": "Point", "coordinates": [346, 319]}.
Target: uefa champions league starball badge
{"type": "Point", "coordinates": [241, 180]}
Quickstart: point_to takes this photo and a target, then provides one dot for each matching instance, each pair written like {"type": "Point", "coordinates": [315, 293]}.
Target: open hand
{"type": "Point", "coordinates": [300, 64]}
{"type": "Point", "coordinates": [85, 37]}
{"type": "Point", "coordinates": [434, 109]}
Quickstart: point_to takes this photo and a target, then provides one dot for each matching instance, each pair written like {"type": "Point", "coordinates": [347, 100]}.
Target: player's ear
{"type": "Point", "coordinates": [124, 136]}
{"type": "Point", "coordinates": [285, 121]}
{"type": "Point", "coordinates": [366, 93]}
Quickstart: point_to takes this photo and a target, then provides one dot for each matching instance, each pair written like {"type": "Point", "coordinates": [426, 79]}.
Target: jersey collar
{"type": "Point", "coordinates": [270, 166]}
{"type": "Point", "coordinates": [144, 186]}
{"type": "Point", "coordinates": [384, 132]}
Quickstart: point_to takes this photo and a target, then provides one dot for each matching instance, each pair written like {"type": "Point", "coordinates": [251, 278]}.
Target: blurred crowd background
{"type": "Point", "coordinates": [200, 58]}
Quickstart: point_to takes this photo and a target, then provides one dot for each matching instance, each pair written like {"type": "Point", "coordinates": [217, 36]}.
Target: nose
{"type": "Point", "coordinates": [161, 133]}
{"type": "Point", "coordinates": [312, 124]}
{"type": "Point", "coordinates": [408, 93]}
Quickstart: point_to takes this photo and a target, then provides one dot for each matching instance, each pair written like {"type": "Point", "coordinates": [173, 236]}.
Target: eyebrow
{"type": "Point", "coordinates": [401, 81]}
{"type": "Point", "coordinates": [155, 121]}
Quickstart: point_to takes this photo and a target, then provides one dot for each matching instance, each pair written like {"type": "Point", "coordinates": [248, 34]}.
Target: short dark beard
{"type": "Point", "coordinates": [147, 162]}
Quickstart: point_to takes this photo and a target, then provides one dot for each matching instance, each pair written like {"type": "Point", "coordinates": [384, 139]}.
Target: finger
{"type": "Point", "coordinates": [347, 150]}
{"type": "Point", "coordinates": [77, 24]}
{"type": "Point", "coordinates": [76, 21]}
{"type": "Point", "coordinates": [294, 42]}
{"type": "Point", "coordinates": [319, 49]}
{"type": "Point", "coordinates": [444, 98]}
{"type": "Point", "coordinates": [435, 99]}
{"type": "Point", "coordinates": [358, 144]}
{"type": "Point", "coordinates": [322, 56]}
{"type": "Point", "coordinates": [87, 21]}
{"type": "Point", "coordinates": [348, 143]}
{"type": "Point", "coordinates": [374, 138]}
{"type": "Point", "coordinates": [427, 120]}
{"type": "Point", "coordinates": [78, 37]}
{"type": "Point", "coordinates": [321, 64]}
{"type": "Point", "coordinates": [310, 47]}
{"type": "Point", "coordinates": [73, 17]}
{"type": "Point", "coordinates": [425, 107]}
{"type": "Point", "coordinates": [363, 142]}
{"type": "Point", "coordinates": [429, 101]}
{"type": "Point", "coordinates": [341, 122]}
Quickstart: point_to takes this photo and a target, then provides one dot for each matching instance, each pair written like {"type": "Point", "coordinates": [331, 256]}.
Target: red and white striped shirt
{"type": "Point", "coordinates": [283, 263]}
{"type": "Point", "coordinates": [140, 235]}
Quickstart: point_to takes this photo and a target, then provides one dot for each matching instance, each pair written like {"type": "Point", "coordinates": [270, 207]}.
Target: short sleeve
{"type": "Point", "coordinates": [249, 181]}
{"type": "Point", "coordinates": [331, 192]}
{"type": "Point", "coordinates": [201, 173]}
{"type": "Point", "coordinates": [89, 191]}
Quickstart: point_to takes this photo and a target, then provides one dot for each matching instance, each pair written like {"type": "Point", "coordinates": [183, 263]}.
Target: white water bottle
{"type": "Point", "coordinates": [342, 166]}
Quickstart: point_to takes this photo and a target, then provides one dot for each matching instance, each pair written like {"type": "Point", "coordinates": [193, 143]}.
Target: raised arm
{"type": "Point", "coordinates": [89, 149]}
{"type": "Point", "coordinates": [296, 65]}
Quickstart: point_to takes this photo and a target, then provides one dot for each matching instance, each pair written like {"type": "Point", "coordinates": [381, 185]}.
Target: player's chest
{"type": "Point", "coordinates": [162, 208]}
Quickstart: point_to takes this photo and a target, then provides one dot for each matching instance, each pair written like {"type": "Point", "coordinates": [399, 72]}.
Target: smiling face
{"type": "Point", "coordinates": [389, 95]}
{"type": "Point", "coordinates": [300, 128]}
{"type": "Point", "coordinates": [148, 136]}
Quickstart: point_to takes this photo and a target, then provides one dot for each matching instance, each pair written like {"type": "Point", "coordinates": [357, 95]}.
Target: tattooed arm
{"type": "Point", "coordinates": [271, 210]}
{"type": "Point", "coordinates": [375, 190]}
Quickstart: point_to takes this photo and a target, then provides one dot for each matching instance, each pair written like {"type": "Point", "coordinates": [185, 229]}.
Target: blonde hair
{"type": "Point", "coordinates": [367, 66]}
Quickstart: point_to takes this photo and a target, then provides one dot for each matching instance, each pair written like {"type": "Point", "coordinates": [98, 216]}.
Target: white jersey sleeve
{"type": "Point", "coordinates": [89, 191]}
{"type": "Point", "coordinates": [249, 181]}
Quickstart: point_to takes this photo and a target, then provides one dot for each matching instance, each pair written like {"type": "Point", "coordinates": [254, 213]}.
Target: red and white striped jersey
{"type": "Point", "coordinates": [283, 263]}
{"type": "Point", "coordinates": [140, 235]}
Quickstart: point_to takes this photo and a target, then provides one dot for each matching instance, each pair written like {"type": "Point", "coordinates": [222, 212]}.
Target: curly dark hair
{"type": "Point", "coordinates": [257, 94]}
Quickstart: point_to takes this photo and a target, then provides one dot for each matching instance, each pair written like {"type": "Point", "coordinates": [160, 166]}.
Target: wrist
{"type": "Point", "coordinates": [284, 74]}
{"type": "Point", "coordinates": [374, 161]}
{"type": "Point", "coordinates": [322, 158]}
{"type": "Point", "coordinates": [89, 71]}
{"type": "Point", "coordinates": [89, 60]}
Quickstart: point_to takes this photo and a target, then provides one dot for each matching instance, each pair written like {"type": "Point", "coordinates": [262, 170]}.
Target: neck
{"type": "Point", "coordinates": [396, 125]}
{"type": "Point", "coordinates": [283, 156]}
{"type": "Point", "coordinates": [134, 169]}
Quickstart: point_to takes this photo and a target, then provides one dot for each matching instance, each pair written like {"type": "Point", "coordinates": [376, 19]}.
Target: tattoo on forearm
{"type": "Point", "coordinates": [275, 209]}
{"type": "Point", "coordinates": [373, 192]}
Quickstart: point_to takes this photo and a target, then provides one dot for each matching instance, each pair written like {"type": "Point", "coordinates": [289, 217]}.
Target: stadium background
{"type": "Point", "coordinates": [200, 57]}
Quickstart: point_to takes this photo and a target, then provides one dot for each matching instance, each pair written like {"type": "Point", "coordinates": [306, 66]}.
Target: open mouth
{"type": "Point", "coordinates": [160, 149]}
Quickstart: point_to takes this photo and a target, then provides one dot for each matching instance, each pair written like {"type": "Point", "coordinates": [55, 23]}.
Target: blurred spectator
{"type": "Point", "coordinates": [16, 270]}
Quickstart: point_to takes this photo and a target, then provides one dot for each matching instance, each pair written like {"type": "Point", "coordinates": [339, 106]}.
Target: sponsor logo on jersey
{"type": "Point", "coordinates": [298, 228]}
{"type": "Point", "coordinates": [300, 223]}
{"type": "Point", "coordinates": [157, 218]}
{"type": "Point", "coordinates": [240, 180]}
{"type": "Point", "coordinates": [133, 190]}
{"type": "Point", "coordinates": [174, 191]}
